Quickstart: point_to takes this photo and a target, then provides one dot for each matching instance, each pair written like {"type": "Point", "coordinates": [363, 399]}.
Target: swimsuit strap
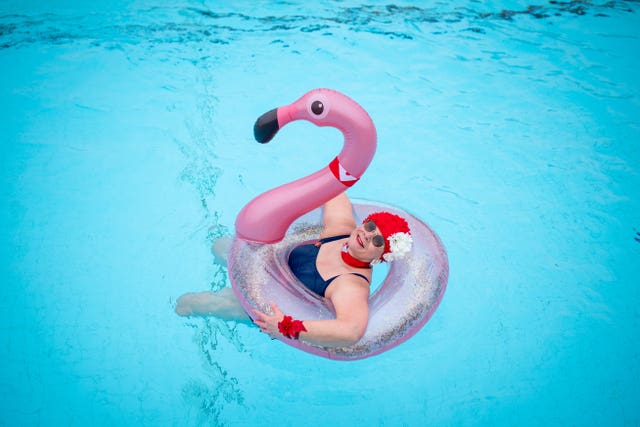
{"type": "Point", "coordinates": [335, 277]}
{"type": "Point", "coordinates": [333, 238]}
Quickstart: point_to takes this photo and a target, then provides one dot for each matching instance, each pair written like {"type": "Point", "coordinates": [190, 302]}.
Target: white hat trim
{"type": "Point", "coordinates": [400, 245]}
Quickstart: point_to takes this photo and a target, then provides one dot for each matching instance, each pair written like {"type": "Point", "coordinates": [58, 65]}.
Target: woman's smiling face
{"type": "Point", "coordinates": [366, 243]}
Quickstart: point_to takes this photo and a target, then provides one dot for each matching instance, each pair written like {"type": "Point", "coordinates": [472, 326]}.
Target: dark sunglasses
{"type": "Point", "coordinates": [378, 240]}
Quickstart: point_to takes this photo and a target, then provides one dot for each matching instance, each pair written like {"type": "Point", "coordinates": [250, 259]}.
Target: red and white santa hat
{"type": "Point", "coordinates": [396, 233]}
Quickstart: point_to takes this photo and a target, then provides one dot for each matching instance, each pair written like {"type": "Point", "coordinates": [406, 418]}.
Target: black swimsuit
{"type": "Point", "coordinates": [302, 262]}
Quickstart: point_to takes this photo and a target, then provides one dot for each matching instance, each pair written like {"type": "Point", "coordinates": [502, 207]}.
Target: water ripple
{"type": "Point", "coordinates": [200, 25]}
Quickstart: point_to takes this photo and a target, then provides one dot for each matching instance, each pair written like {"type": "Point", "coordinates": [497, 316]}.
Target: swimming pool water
{"type": "Point", "coordinates": [126, 148]}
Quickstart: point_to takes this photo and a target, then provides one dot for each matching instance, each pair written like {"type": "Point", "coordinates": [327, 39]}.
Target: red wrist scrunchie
{"type": "Point", "coordinates": [291, 328]}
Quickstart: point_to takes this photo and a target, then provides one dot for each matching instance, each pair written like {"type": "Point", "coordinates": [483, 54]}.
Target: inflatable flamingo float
{"type": "Point", "coordinates": [275, 222]}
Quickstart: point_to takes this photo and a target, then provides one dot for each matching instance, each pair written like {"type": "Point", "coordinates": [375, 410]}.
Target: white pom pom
{"type": "Point", "coordinates": [400, 245]}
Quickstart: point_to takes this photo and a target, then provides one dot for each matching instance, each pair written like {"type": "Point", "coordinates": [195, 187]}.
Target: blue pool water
{"type": "Point", "coordinates": [512, 128]}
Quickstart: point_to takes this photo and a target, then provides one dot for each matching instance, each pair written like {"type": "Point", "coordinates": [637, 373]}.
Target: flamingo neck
{"type": "Point", "coordinates": [350, 260]}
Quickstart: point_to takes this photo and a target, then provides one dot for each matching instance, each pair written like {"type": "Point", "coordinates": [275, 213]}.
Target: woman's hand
{"type": "Point", "coordinates": [268, 323]}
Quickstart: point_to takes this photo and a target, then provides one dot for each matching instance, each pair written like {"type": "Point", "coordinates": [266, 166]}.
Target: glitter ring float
{"type": "Point", "coordinates": [270, 226]}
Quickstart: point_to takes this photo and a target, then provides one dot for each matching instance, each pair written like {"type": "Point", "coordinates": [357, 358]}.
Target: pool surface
{"type": "Point", "coordinates": [126, 148]}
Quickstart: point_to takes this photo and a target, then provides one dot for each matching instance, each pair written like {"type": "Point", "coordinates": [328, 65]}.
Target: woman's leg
{"type": "Point", "coordinates": [220, 250]}
{"type": "Point", "coordinates": [222, 304]}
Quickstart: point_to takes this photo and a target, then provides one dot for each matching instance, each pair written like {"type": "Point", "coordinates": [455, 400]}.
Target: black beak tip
{"type": "Point", "coordinates": [266, 126]}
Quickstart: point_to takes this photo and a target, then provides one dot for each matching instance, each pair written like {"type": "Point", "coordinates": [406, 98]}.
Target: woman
{"type": "Point", "coordinates": [337, 267]}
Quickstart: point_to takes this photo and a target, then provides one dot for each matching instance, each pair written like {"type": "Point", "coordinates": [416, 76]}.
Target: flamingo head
{"type": "Point", "coordinates": [322, 107]}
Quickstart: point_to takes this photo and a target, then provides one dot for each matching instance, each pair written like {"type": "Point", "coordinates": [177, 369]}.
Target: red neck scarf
{"type": "Point", "coordinates": [350, 260]}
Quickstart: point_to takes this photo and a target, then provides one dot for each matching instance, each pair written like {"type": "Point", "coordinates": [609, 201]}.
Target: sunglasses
{"type": "Point", "coordinates": [378, 240]}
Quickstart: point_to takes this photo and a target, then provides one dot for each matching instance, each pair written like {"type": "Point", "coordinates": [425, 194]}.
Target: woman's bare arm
{"type": "Point", "coordinates": [337, 216]}
{"type": "Point", "coordinates": [350, 301]}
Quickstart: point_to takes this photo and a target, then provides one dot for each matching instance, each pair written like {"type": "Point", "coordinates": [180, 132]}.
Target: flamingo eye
{"type": "Point", "coordinates": [317, 107]}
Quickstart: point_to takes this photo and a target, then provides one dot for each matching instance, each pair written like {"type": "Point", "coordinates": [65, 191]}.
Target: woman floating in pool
{"type": "Point", "coordinates": [337, 267]}
{"type": "Point", "coordinates": [318, 270]}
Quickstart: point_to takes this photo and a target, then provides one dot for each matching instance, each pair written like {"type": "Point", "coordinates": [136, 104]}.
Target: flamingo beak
{"type": "Point", "coordinates": [266, 126]}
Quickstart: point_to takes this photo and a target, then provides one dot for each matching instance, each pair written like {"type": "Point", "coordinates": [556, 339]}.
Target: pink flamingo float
{"type": "Point", "coordinates": [272, 224]}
